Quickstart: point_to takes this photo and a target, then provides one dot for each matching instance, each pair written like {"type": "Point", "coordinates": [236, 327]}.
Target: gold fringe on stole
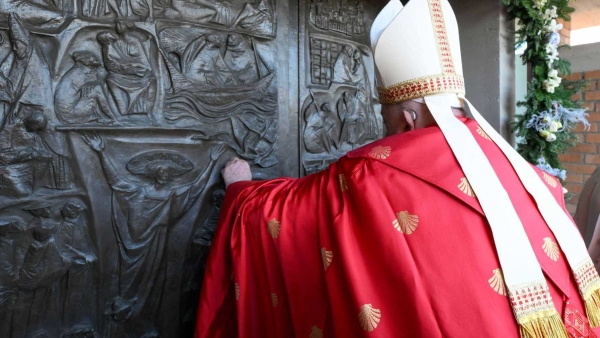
{"type": "Point", "coordinates": [592, 306]}
{"type": "Point", "coordinates": [546, 324]}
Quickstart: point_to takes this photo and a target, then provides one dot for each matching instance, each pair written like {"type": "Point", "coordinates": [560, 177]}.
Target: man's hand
{"type": "Point", "coordinates": [236, 170]}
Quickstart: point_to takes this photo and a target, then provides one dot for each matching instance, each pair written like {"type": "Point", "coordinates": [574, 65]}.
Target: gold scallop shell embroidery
{"type": "Point", "coordinates": [315, 332]}
{"type": "Point", "coordinates": [406, 223]}
{"type": "Point", "coordinates": [237, 291]}
{"type": "Point", "coordinates": [550, 180]}
{"type": "Point", "coordinates": [380, 152]}
{"type": "Point", "coordinates": [327, 257]}
{"type": "Point", "coordinates": [343, 183]}
{"type": "Point", "coordinates": [274, 228]}
{"type": "Point", "coordinates": [551, 249]}
{"type": "Point", "coordinates": [274, 299]}
{"type": "Point", "coordinates": [369, 317]}
{"type": "Point", "coordinates": [497, 282]}
{"type": "Point", "coordinates": [465, 187]}
{"type": "Point", "coordinates": [483, 134]}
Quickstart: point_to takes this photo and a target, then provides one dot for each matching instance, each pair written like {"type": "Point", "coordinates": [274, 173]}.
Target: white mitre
{"type": "Point", "coordinates": [417, 56]}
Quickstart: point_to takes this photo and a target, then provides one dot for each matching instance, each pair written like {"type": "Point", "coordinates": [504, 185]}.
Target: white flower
{"type": "Point", "coordinates": [552, 57]}
{"type": "Point", "coordinates": [552, 82]}
{"type": "Point", "coordinates": [550, 13]}
{"type": "Point", "coordinates": [554, 26]}
{"type": "Point", "coordinates": [553, 127]}
{"type": "Point", "coordinates": [548, 86]}
{"type": "Point", "coordinates": [553, 40]}
{"type": "Point", "coordinates": [565, 190]}
{"type": "Point", "coordinates": [544, 133]}
{"type": "Point", "coordinates": [539, 4]}
{"type": "Point", "coordinates": [551, 138]}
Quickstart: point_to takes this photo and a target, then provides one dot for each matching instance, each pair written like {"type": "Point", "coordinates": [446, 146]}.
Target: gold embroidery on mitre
{"type": "Point", "coordinates": [237, 291]}
{"type": "Point", "coordinates": [483, 134]}
{"type": "Point", "coordinates": [315, 332]}
{"type": "Point", "coordinates": [406, 223]}
{"type": "Point", "coordinates": [497, 282]}
{"type": "Point", "coordinates": [327, 257]}
{"type": "Point", "coordinates": [380, 152]}
{"type": "Point", "coordinates": [465, 187]}
{"type": "Point", "coordinates": [551, 249]}
{"type": "Point", "coordinates": [274, 299]}
{"type": "Point", "coordinates": [441, 37]}
{"type": "Point", "coordinates": [550, 180]}
{"type": "Point", "coordinates": [421, 87]}
{"type": "Point", "coordinates": [274, 228]}
{"type": "Point", "coordinates": [369, 317]}
{"type": "Point", "coordinates": [343, 183]}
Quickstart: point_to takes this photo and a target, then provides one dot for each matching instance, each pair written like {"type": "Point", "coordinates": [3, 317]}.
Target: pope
{"type": "Point", "coordinates": [440, 229]}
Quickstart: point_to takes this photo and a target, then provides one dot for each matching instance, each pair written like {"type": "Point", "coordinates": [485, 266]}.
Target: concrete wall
{"type": "Point", "coordinates": [487, 44]}
{"type": "Point", "coordinates": [584, 58]}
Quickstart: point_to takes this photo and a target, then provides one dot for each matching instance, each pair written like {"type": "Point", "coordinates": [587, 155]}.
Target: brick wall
{"type": "Point", "coordinates": [582, 159]}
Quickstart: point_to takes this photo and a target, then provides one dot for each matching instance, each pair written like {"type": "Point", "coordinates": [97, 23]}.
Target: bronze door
{"type": "Point", "coordinates": [116, 117]}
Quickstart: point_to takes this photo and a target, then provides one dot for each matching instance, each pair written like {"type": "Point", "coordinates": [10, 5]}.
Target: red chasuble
{"type": "Point", "coordinates": [388, 242]}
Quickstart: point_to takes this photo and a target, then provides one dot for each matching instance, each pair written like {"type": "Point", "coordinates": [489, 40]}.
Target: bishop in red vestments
{"type": "Point", "coordinates": [391, 241]}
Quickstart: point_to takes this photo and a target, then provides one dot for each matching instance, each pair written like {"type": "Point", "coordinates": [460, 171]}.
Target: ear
{"type": "Point", "coordinates": [409, 120]}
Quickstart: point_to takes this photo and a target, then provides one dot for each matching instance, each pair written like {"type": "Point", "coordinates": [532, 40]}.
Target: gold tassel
{"type": "Point", "coordinates": [592, 307]}
{"type": "Point", "coordinates": [546, 324]}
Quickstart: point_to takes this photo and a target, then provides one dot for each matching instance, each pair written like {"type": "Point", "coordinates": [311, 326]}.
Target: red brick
{"type": "Point", "coordinates": [586, 178]}
{"type": "Point", "coordinates": [583, 148]}
{"type": "Point", "coordinates": [571, 158]}
{"type": "Point", "coordinates": [573, 77]}
{"type": "Point", "coordinates": [589, 106]}
{"type": "Point", "coordinates": [592, 96]}
{"type": "Point", "coordinates": [576, 97]}
{"type": "Point", "coordinates": [592, 159]}
{"type": "Point", "coordinates": [580, 168]}
{"type": "Point", "coordinates": [593, 115]}
{"type": "Point", "coordinates": [590, 85]}
{"type": "Point", "coordinates": [592, 138]}
{"type": "Point", "coordinates": [571, 208]}
{"type": "Point", "coordinates": [574, 188]}
{"type": "Point", "coordinates": [574, 178]}
{"type": "Point", "coordinates": [592, 75]}
{"type": "Point", "coordinates": [579, 127]}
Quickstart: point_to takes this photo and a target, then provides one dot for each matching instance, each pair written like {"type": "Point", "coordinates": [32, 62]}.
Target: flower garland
{"type": "Point", "coordinates": [544, 130]}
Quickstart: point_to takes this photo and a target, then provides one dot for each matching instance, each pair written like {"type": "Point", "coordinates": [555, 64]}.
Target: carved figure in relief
{"type": "Point", "coordinates": [256, 18]}
{"type": "Point", "coordinates": [131, 77]}
{"type": "Point", "coordinates": [32, 157]}
{"type": "Point", "coordinates": [12, 233]}
{"type": "Point", "coordinates": [81, 96]}
{"type": "Point", "coordinates": [98, 8]}
{"type": "Point", "coordinates": [41, 272]}
{"type": "Point", "coordinates": [240, 60]}
{"type": "Point", "coordinates": [196, 10]}
{"type": "Point", "coordinates": [321, 132]}
{"type": "Point", "coordinates": [141, 214]}
{"type": "Point", "coordinates": [349, 67]}
{"type": "Point", "coordinates": [352, 114]}
{"type": "Point", "coordinates": [24, 74]}
{"type": "Point", "coordinates": [75, 247]}
{"type": "Point", "coordinates": [203, 63]}
{"type": "Point", "coordinates": [39, 13]}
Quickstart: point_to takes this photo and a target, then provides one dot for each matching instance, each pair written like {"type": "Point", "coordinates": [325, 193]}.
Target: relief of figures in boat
{"type": "Point", "coordinates": [222, 87]}
{"type": "Point", "coordinates": [219, 68]}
